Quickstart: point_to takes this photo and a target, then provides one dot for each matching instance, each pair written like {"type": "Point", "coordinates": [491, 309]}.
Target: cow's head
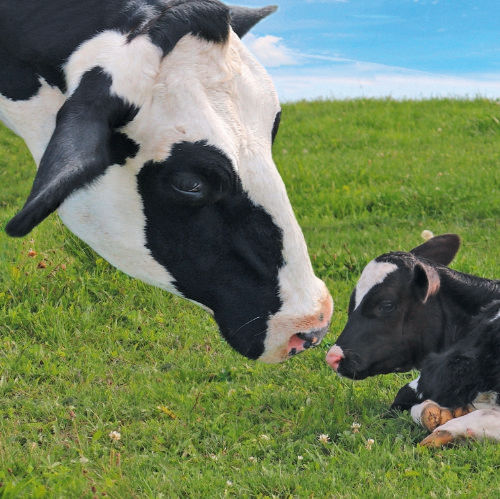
{"type": "Point", "coordinates": [392, 321]}
{"type": "Point", "coordinates": [161, 161]}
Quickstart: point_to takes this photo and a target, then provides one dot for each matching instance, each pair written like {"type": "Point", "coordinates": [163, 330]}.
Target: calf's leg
{"type": "Point", "coordinates": [449, 426]}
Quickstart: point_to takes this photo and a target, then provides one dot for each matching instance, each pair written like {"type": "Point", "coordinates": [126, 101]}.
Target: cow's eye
{"type": "Point", "coordinates": [386, 307]}
{"type": "Point", "coordinates": [188, 184]}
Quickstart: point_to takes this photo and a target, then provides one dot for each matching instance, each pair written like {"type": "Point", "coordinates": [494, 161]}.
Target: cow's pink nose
{"type": "Point", "coordinates": [334, 356]}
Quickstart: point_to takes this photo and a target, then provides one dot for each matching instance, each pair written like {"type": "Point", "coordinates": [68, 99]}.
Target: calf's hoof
{"type": "Point", "coordinates": [438, 438]}
{"type": "Point", "coordinates": [462, 411]}
{"type": "Point", "coordinates": [433, 416]}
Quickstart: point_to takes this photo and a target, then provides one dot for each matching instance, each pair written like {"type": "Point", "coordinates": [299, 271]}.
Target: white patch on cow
{"type": "Point", "coordinates": [480, 424]}
{"type": "Point", "coordinates": [34, 119]}
{"type": "Point", "coordinates": [108, 216]}
{"type": "Point", "coordinates": [374, 273]}
{"type": "Point", "coordinates": [132, 65]}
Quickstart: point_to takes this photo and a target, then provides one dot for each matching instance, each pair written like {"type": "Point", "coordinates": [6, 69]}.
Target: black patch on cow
{"type": "Point", "coordinates": [84, 143]}
{"type": "Point", "coordinates": [37, 38]}
{"type": "Point", "coordinates": [206, 19]}
{"type": "Point", "coordinates": [17, 80]}
{"type": "Point", "coordinates": [276, 126]}
{"type": "Point", "coordinates": [222, 250]}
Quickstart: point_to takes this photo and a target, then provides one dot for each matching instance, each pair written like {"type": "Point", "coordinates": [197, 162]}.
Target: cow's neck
{"type": "Point", "coordinates": [461, 297]}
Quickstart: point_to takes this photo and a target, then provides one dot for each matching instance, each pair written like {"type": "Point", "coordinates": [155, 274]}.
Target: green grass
{"type": "Point", "coordinates": [85, 350]}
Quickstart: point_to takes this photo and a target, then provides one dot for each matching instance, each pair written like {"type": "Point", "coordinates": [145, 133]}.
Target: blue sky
{"type": "Point", "coordinates": [378, 48]}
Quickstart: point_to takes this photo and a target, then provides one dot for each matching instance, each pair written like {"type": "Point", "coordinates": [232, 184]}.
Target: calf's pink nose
{"type": "Point", "coordinates": [334, 356]}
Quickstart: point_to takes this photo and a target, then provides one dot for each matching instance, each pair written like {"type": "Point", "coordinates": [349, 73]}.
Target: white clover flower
{"type": "Point", "coordinates": [252, 459]}
{"type": "Point", "coordinates": [213, 456]}
{"type": "Point", "coordinates": [369, 443]}
{"type": "Point", "coordinates": [229, 483]}
{"type": "Point", "coordinates": [323, 438]}
{"type": "Point", "coordinates": [115, 436]}
{"type": "Point", "coordinates": [355, 427]}
{"type": "Point", "coordinates": [265, 437]}
{"type": "Point", "coordinates": [300, 458]}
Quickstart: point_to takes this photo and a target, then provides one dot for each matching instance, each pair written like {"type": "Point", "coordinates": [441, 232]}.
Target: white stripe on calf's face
{"type": "Point", "coordinates": [374, 273]}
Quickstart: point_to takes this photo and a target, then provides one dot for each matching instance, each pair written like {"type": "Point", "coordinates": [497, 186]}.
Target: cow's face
{"type": "Point", "coordinates": [193, 202]}
{"type": "Point", "coordinates": [393, 320]}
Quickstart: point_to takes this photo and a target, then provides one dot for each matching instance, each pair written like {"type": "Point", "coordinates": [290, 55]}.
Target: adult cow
{"type": "Point", "coordinates": [152, 127]}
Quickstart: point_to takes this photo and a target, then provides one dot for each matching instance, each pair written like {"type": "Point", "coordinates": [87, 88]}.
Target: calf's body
{"type": "Point", "coordinates": [410, 311]}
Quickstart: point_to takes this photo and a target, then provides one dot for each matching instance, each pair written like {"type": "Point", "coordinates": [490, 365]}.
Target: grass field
{"type": "Point", "coordinates": [85, 350]}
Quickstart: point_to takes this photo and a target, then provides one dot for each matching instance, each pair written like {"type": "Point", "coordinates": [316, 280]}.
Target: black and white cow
{"type": "Point", "coordinates": [407, 306]}
{"type": "Point", "coordinates": [152, 125]}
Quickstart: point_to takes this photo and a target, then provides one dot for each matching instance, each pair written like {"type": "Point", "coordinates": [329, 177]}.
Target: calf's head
{"type": "Point", "coordinates": [161, 161]}
{"type": "Point", "coordinates": [392, 311]}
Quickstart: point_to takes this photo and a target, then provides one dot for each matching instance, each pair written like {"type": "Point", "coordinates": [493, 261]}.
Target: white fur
{"type": "Point", "coordinates": [374, 273]}
{"type": "Point", "coordinates": [480, 424]}
{"type": "Point", "coordinates": [108, 216]}
{"type": "Point", "coordinates": [414, 384]}
{"type": "Point", "coordinates": [34, 119]}
{"type": "Point", "coordinates": [132, 65]}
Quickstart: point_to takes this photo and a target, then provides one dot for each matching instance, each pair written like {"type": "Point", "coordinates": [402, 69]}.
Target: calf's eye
{"type": "Point", "coordinates": [386, 306]}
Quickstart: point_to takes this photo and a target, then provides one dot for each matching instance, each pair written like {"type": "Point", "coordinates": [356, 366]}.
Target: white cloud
{"type": "Point", "coordinates": [351, 79]}
{"type": "Point", "coordinates": [270, 50]}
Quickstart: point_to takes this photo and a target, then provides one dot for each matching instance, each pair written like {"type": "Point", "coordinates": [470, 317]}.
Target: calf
{"type": "Point", "coordinates": [407, 306]}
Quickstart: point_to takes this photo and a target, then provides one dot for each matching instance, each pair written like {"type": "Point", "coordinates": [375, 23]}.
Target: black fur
{"type": "Point", "coordinates": [456, 376]}
{"type": "Point", "coordinates": [82, 146]}
{"type": "Point", "coordinates": [223, 250]}
{"type": "Point", "coordinates": [206, 19]}
{"type": "Point", "coordinates": [276, 126]}
{"type": "Point", "coordinates": [405, 399]}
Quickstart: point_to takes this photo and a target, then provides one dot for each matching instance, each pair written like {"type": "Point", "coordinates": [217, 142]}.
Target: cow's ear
{"type": "Point", "coordinates": [244, 19]}
{"type": "Point", "coordinates": [439, 249]}
{"type": "Point", "coordinates": [82, 146]}
{"type": "Point", "coordinates": [426, 282]}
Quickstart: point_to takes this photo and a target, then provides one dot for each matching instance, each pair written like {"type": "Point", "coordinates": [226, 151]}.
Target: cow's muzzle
{"type": "Point", "coordinates": [303, 341]}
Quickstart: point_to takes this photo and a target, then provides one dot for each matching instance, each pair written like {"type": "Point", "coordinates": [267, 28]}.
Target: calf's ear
{"type": "Point", "coordinates": [426, 282]}
{"type": "Point", "coordinates": [439, 249]}
{"type": "Point", "coordinates": [243, 19]}
{"type": "Point", "coordinates": [82, 146]}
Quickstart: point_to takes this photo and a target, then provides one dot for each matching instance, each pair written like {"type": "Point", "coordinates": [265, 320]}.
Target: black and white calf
{"type": "Point", "coordinates": [152, 125]}
{"type": "Point", "coordinates": [408, 311]}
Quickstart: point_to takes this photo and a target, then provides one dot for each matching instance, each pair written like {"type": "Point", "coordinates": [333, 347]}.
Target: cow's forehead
{"type": "Point", "coordinates": [209, 92]}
